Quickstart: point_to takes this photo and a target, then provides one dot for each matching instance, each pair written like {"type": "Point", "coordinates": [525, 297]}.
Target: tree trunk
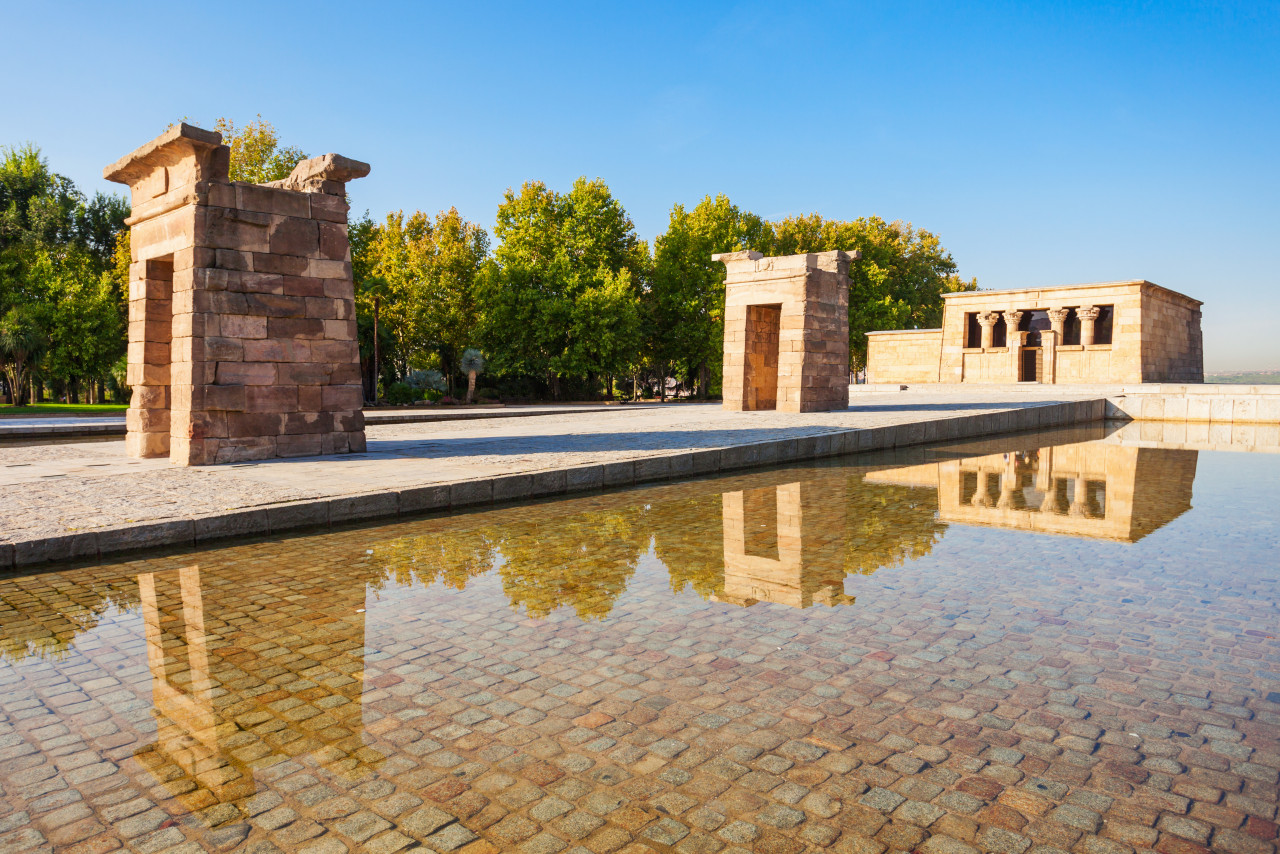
{"type": "Point", "coordinates": [471, 386]}
{"type": "Point", "coordinates": [662, 383]}
{"type": "Point", "coordinates": [377, 374]}
{"type": "Point", "coordinates": [704, 381]}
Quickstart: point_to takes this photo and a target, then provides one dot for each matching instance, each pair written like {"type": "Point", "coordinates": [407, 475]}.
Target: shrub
{"type": "Point", "coordinates": [401, 393]}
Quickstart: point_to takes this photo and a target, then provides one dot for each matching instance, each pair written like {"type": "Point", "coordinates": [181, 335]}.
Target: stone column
{"type": "Point", "coordinates": [1088, 314]}
{"type": "Point", "coordinates": [1058, 321]}
{"type": "Point", "coordinates": [1049, 341]}
{"type": "Point", "coordinates": [1014, 339]}
{"type": "Point", "coordinates": [987, 320]}
{"type": "Point", "coordinates": [1078, 502]}
{"type": "Point", "coordinates": [1008, 483]}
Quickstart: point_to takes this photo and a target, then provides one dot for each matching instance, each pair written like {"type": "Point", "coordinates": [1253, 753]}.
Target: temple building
{"type": "Point", "coordinates": [1117, 332]}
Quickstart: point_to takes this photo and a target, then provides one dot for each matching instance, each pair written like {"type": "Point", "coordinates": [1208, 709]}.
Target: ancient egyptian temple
{"type": "Point", "coordinates": [1119, 332]}
{"type": "Point", "coordinates": [242, 330]}
{"type": "Point", "coordinates": [786, 331]}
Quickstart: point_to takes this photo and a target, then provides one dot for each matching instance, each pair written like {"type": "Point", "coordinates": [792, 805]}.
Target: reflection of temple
{"type": "Point", "coordinates": [785, 544]}
{"type": "Point", "coordinates": [242, 680]}
{"type": "Point", "coordinates": [1089, 489]}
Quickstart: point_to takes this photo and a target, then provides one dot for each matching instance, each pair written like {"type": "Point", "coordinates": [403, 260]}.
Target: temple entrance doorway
{"type": "Point", "coordinates": [764, 323]}
{"type": "Point", "coordinates": [1031, 365]}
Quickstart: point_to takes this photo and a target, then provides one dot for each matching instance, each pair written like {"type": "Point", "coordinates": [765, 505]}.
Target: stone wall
{"type": "Point", "coordinates": [1155, 337]}
{"type": "Point", "coordinates": [242, 330]}
{"type": "Point", "coordinates": [904, 356]}
{"type": "Point", "coordinates": [809, 296]}
{"type": "Point", "coordinates": [1172, 341]}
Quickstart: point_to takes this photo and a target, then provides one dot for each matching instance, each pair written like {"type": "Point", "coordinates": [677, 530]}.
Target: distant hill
{"type": "Point", "coordinates": [1245, 377]}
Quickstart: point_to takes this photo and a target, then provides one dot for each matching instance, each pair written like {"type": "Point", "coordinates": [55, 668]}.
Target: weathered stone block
{"type": "Point", "coordinates": [342, 398]}
{"type": "Point", "coordinates": [302, 373]}
{"type": "Point", "coordinates": [295, 236]}
{"type": "Point", "coordinates": [287, 265]}
{"type": "Point", "coordinates": [247, 373]}
{"type": "Point", "coordinates": [297, 327]}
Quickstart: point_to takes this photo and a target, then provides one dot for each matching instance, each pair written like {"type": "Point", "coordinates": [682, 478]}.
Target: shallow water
{"type": "Point", "coordinates": [1057, 640]}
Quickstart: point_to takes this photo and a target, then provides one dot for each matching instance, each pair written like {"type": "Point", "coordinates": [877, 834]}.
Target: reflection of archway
{"type": "Point", "coordinates": [778, 547]}
{"type": "Point", "coordinates": [227, 708]}
{"type": "Point", "coordinates": [181, 687]}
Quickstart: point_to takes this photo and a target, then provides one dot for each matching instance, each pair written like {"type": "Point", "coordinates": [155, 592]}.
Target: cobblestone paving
{"type": "Point", "coordinates": [55, 488]}
{"type": "Point", "coordinates": [570, 676]}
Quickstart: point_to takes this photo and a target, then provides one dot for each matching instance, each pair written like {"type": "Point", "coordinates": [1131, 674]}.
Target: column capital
{"type": "Point", "coordinates": [1058, 315]}
{"type": "Point", "coordinates": [1012, 318]}
{"type": "Point", "coordinates": [988, 318]}
{"type": "Point", "coordinates": [1087, 312]}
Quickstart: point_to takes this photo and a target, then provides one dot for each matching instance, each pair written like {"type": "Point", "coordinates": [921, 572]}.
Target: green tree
{"type": "Point", "coordinates": [899, 282]}
{"type": "Point", "coordinates": [61, 267]}
{"type": "Point", "coordinates": [82, 314]}
{"type": "Point", "coordinates": [564, 301]}
{"type": "Point", "coordinates": [256, 153]}
{"type": "Point", "coordinates": [427, 274]}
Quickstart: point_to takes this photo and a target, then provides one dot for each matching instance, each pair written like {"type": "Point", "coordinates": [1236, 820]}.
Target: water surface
{"type": "Point", "coordinates": [1058, 640]}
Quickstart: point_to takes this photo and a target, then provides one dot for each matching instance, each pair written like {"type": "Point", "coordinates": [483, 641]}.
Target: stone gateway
{"type": "Point", "coordinates": [786, 331]}
{"type": "Point", "coordinates": [242, 330]}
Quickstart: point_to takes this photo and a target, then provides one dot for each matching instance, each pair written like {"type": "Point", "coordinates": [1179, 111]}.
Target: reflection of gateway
{"type": "Point", "coordinates": [1091, 489]}
{"type": "Point", "coordinates": [784, 544]}
{"type": "Point", "coordinates": [233, 692]}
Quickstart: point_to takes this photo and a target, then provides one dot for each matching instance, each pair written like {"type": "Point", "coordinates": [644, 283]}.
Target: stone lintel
{"type": "Point", "coordinates": [324, 174]}
{"type": "Point", "coordinates": [750, 261]}
{"type": "Point", "coordinates": [1030, 296]}
{"type": "Point", "coordinates": [177, 143]}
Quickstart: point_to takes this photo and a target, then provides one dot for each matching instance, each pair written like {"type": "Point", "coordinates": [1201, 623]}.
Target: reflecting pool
{"type": "Point", "coordinates": [1047, 642]}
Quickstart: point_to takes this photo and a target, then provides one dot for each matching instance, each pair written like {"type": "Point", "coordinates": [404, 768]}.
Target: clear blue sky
{"type": "Point", "coordinates": [1044, 143]}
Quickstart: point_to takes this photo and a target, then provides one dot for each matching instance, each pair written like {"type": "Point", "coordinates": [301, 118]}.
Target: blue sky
{"type": "Point", "coordinates": [1044, 143]}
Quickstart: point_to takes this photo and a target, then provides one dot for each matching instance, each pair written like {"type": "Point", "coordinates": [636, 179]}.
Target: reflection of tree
{"type": "Point", "coordinates": [889, 525]}
{"type": "Point", "coordinates": [450, 557]}
{"type": "Point", "coordinates": [42, 615]}
{"type": "Point", "coordinates": [688, 538]}
{"type": "Point", "coordinates": [584, 560]}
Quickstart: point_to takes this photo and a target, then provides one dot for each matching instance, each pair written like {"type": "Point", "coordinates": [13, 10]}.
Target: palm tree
{"type": "Point", "coordinates": [21, 343]}
{"type": "Point", "coordinates": [472, 364]}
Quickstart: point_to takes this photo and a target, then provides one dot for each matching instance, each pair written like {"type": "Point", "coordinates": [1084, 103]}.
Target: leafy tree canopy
{"type": "Point", "coordinates": [256, 153]}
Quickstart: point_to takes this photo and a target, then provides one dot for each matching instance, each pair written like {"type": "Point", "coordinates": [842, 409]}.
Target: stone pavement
{"type": "Point", "coordinates": [570, 678]}
{"type": "Point", "coordinates": [114, 425]}
{"type": "Point", "coordinates": [81, 500]}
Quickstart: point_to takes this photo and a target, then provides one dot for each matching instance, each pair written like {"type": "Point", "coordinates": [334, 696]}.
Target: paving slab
{"type": "Point", "coordinates": [83, 499]}
{"type": "Point", "coordinates": [52, 426]}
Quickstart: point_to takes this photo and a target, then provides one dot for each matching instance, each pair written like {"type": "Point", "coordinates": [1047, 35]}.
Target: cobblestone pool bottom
{"type": "Point", "coordinates": [800, 659]}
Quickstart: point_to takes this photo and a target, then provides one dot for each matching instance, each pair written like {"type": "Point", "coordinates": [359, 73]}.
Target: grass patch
{"type": "Point", "coordinates": [63, 409]}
